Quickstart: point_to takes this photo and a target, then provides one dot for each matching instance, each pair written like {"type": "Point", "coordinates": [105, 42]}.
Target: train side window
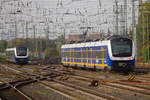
{"type": "Point", "coordinates": [68, 54]}
{"type": "Point", "coordinates": [75, 54]}
{"type": "Point", "coordinates": [79, 54]}
{"type": "Point", "coordinates": [84, 54]}
{"type": "Point", "coordinates": [89, 54]}
{"type": "Point", "coordinates": [93, 54]}
{"type": "Point", "coordinates": [97, 54]}
{"type": "Point", "coordinates": [71, 55]}
{"type": "Point", "coordinates": [104, 54]}
{"type": "Point", "coordinates": [62, 54]}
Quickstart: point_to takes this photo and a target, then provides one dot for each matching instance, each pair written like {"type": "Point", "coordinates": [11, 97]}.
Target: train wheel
{"type": "Point", "coordinates": [84, 67]}
{"type": "Point", "coordinates": [75, 66]}
{"type": "Point", "coordinates": [94, 68]}
{"type": "Point", "coordinates": [105, 69]}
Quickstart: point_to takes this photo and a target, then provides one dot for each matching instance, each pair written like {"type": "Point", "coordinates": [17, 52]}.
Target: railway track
{"type": "Point", "coordinates": [130, 84]}
{"type": "Point", "coordinates": [14, 92]}
{"type": "Point", "coordinates": [143, 78]}
{"type": "Point", "coordinates": [101, 95]}
{"type": "Point", "coordinates": [55, 73]}
{"type": "Point", "coordinates": [81, 89]}
{"type": "Point", "coordinates": [117, 84]}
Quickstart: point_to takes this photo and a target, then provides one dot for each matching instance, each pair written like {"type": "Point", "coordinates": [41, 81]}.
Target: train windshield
{"type": "Point", "coordinates": [21, 51]}
{"type": "Point", "coordinates": [121, 47]}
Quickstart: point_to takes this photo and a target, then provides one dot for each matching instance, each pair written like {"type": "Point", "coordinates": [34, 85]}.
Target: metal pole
{"type": "Point", "coordinates": [34, 40]}
{"type": "Point", "coordinates": [147, 38]}
{"type": "Point", "coordinates": [26, 30]}
{"type": "Point", "coordinates": [122, 21]}
{"type": "Point", "coordinates": [133, 26]}
{"type": "Point", "coordinates": [47, 36]}
{"type": "Point", "coordinates": [143, 32]}
{"type": "Point", "coordinates": [125, 18]}
{"type": "Point", "coordinates": [116, 12]}
{"type": "Point", "coordinates": [15, 31]}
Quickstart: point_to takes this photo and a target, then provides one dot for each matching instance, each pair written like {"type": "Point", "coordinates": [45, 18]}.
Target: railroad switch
{"type": "Point", "coordinates": [64, 77]}
{"type": "Point", "coordinates": [94, 83]}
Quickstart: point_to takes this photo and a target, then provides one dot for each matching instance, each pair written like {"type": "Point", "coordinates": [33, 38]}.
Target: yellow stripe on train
{"type": "Point", "coordinates": [88, 64]}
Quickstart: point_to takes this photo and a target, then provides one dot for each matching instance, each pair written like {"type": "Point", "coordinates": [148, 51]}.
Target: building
{"type": "Point", "coordinates": [75, 37]}
{"type": "Point", "coordinates": [94, 36]}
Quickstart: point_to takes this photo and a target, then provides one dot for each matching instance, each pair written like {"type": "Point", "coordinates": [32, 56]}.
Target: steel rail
{"type": "Point", "coordinates": [18, 91]}
{"type": "Point", "coordinates": [107, 83]}
{"type": "Point", "coordinates": [101, 95]}
{"type": "Point", "coordinates": [58, 89]}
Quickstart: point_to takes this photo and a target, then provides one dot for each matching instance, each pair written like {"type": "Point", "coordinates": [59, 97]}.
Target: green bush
{"type": "Point", "coordinates": [51, 52]}
{"type": "Point", "coordinates": [2, 58]}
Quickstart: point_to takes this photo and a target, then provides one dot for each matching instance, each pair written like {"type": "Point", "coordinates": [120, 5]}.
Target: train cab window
{"type": "Point", "coordinates": [121, 47]}
{"type": "Point", "coordinates": [21, 51]}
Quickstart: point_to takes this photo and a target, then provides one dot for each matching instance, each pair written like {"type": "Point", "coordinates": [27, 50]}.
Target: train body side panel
{"type": "Point", "coordinates": [99, 61]}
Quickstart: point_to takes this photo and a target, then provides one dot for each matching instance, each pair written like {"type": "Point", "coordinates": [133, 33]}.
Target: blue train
{"type": "Point", "coordinates": [18, 54]}
{"type": "Point", "coordinates": [113, 53]}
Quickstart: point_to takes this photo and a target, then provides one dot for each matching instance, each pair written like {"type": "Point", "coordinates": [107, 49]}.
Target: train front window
{"type": "Point", "coordinates": [21, 51]}
{"type": "Point", "coordinates": [121, 47]}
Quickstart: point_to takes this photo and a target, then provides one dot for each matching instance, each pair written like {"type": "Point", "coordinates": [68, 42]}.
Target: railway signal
{"type": "Point", "coordinates": [94, 83]}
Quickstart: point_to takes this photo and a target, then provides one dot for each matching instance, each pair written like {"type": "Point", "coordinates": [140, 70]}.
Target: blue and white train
{"type": "Point", "coordinates": [114, 53]}
{"type": "Point", "coordinates": [18, 54]}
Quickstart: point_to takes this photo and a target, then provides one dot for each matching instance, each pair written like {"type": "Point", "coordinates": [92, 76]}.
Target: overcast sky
{"type": "Point", "coordinates": [69, 14]}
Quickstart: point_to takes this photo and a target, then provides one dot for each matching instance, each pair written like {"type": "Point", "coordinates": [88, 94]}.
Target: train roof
{"type": "Point", "coordinates": [85, 44]}
{"type": "Point", "coordinates": [10, 49]}
{"type": "Point", "coordinates": [116, 36]}
{"type": "Point", "coordinates": [96, 43]}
